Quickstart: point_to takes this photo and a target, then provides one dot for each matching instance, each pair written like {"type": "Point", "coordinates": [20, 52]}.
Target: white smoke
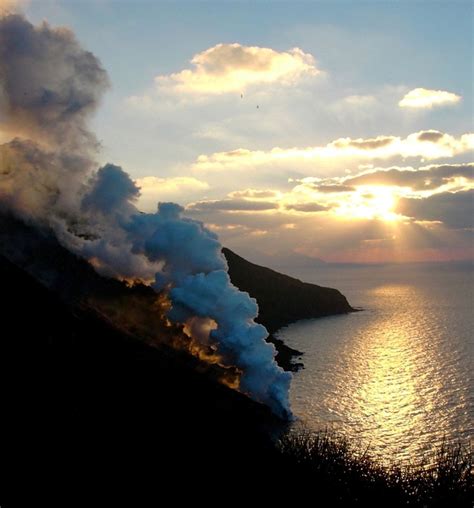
{"type": "Point", "coordinates": [194, 271]}
{"type": "Point", "coordinates": [49, 86]}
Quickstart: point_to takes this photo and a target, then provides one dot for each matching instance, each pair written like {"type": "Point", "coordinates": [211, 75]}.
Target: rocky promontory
{"type": "Point", "coordinates": [283, 300]}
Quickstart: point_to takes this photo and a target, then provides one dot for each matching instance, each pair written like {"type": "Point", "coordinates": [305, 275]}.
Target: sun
{"type": "Point", "coordinates": [370, 202]}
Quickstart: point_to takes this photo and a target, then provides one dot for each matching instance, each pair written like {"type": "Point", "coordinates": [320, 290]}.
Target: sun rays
{"type": "Point", "coordinates": [375, 202]}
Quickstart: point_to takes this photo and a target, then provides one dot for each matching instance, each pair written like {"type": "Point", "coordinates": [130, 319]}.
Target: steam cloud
{"type": "Point", "coordinates": [49, 86]}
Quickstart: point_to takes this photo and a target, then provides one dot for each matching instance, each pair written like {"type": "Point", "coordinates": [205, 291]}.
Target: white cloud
{"type": "Point", "coordinates": [232, 68]}
{"type": "Point", "coordinates": [232, 205]}
{"type": "Point", "coordinates": [255, 194]}
{"type": "Point", "coordinates": [425, 98]}
{"type": "Point", "coordinates": [424, 144]}
{"type": "Point", "coordinates": [384, 184]}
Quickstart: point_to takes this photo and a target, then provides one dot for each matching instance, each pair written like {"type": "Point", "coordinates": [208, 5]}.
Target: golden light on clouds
{"type": "Point", "coordinates": [424, 144]}
{"type": "Point", "coordinates": [388, 212]}
{"type": "Point", "coordinates": [362, 202]}
{"type": "Point", "coordinates": [233, 67]}
{"type": "Point", "coordinates": [369, 203]}
{"type": "Point", "coordinates": [154, 189]}
{"type": "Point", "coordinates": [425, 98]}
{"type": "Point", "coordinates": [375, 194]}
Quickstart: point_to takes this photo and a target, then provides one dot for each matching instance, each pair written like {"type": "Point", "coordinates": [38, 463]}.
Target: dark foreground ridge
{"type": "Point", "coordinates": [86, 402]}
{"type": "Point", "coordinates": [282, 300]}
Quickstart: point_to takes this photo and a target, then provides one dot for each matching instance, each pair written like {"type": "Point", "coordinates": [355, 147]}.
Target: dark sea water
{"type": "Point", "coordinates": [398, 377]}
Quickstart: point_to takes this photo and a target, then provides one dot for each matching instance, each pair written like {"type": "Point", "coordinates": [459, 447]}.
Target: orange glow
{"type": "Point", "coordinates": [199, 345]}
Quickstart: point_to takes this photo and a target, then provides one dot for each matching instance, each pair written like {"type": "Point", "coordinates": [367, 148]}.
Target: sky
{"type": "Point", "coordinates": [337, 130]}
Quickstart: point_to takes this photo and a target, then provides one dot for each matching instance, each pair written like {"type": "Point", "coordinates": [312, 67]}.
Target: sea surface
{"type": "Point", "coordinates": [396, 378]}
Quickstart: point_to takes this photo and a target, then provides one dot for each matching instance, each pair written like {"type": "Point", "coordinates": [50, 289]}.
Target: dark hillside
{"type": "Point", "coordinates": [84, 402]}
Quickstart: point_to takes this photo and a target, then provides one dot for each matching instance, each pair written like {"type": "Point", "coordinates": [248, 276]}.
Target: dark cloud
{"type": "Point", "coordinates": [455, 210]}
{"type": "Point", "coordinates": [49, 85]}
{"type": "Point", "coordinates": [365, 144]}
{"type": "Point", "coordinates": [431, 136]}
{"type": "Point", "coordinates": [330, 188]}
{"type": "Point", "coordinates": [423, 179]}
{"type": "Point", "coordinates": [307, 207]}
{"type": "Point", "coordinates": [111, 190]}
{"type": "Point", "coordinates": [231, 205]}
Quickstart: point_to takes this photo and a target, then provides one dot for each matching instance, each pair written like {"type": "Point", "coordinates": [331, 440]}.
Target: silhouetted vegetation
{"type": "Point", "coordinates": [348, 477]}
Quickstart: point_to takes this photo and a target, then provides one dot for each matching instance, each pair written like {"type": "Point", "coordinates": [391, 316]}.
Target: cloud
{"type": "Point", "coordinates": [430, 136]}
{"type": "Point", "coordinates": [424, 144]}
{"type": "Point", "coordinates": [335, 238]}
{"type": "Point", "coordinates": [228, 68]}
{"type": "Point", "coordinates": [425, 178]}
{"type": "Point", "coordinates": [180, 188]}
{"type": "Point", "coordinates": [333, 188]}
{"type": "Point", "coordinates": [364, 144]}
{"type": "Point", "coordinates": [426, 98]}
{"type": "Point", "coordinates": [455, 210]}
{"type": "Point", "coordinates": [375, 193]}
{"type": "Point", "coordinates": [254, 194]}
{"type": "Point", "coordinates": [431, 193]}
{"type": "Point", "coordinates": [372, 195]}
{"type": "Point", "coordinates": [231, 205]}
{"type": "Point", "coordinates": [307, 207]}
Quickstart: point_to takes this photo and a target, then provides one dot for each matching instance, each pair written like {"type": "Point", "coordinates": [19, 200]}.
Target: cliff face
{"type": "Point", "coordinates": [282, 299]}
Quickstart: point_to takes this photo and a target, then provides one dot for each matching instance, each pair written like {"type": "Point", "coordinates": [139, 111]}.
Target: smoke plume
{"type": "Point", "coordinates": [49, 84]}
{"type": "Point", "coordinates": [49, 87]}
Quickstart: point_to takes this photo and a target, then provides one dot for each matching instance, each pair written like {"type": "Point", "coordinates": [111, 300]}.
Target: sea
{"type": "Point", "coordinates": [397, 378]}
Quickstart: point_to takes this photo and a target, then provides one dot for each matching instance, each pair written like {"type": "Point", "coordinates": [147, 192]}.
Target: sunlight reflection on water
{"type": "Point", "coordinates": [398, 376]}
